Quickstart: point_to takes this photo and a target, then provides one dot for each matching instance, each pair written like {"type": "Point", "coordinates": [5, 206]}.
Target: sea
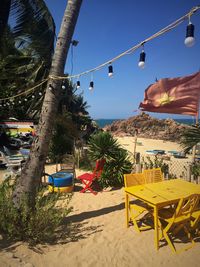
{"type": "Point", "coordinates": [103, 122]}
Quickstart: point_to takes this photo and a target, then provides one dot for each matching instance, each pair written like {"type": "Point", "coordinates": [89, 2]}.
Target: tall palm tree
{"type": "Point", "coordinates": [33, 169]}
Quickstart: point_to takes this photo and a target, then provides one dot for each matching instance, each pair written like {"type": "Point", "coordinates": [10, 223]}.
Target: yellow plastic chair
{"type": "Point", "coordinates": [172, 222]}
{"type": "Point", "coordinates": [136, 211]}
{"type": "Point", "coordinates": [153, 175]}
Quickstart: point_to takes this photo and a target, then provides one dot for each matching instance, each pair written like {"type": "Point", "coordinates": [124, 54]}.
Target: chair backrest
{"type": "Point", "coordinates": [68, 162]}
{"type": "Point", "coordinates": [153, 175]}
{"type": "Point", "coordinates": [133, 179]}
{"type": "Point", "coordinates": [186, 206]}
{"type": "Point", "coordinates": [99, 168]}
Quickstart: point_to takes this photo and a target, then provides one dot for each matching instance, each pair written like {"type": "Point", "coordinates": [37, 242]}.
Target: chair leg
{"type": "Point", "coordinates": [87, 187]}
{"type": "Point", "coordinates": [167, 238]}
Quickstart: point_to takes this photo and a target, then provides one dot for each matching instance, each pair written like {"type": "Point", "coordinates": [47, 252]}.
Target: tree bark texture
{"type": "Point", "coordinates": [31, 173]}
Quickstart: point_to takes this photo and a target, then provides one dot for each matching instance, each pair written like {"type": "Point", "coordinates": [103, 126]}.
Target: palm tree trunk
{"type": "Point", "coordinates": [31, 174]}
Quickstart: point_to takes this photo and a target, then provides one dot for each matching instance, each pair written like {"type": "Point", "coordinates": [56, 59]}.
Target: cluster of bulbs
{"type": "Point", "coordinates": [189, 42]}
{"type": "Point", "coordinates": [12, 102]}
{"type": "Point", "coordinates": [91, 86]}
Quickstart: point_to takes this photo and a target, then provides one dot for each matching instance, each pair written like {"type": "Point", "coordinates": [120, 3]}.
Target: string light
{"type": "Point", "coordinates": [40, 93]}
{"type": "Point", "coordinates": [33, 96]}
{"type": "Point", "coordinates": [189, 40]}
{"type": "Point", "coordinates": [91, 87]}
{"type": "Point", "coordinates": [78, 84]}
{"type": "Point", "coordinates": [63, 85]}
{"type": "Point", "coordinates": [110, 71]}
{"type": "Point", "coordinates": [141, 63]}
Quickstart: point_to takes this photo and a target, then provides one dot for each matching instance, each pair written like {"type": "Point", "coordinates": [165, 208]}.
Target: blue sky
{"type": "Point", "coordinates": [106, 28]}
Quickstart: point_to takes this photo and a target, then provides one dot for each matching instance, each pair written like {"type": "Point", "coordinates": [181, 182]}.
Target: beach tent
{"type": "Point", "coordinates": [173, 95]}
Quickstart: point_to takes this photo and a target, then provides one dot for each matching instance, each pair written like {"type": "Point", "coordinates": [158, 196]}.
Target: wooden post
{"type": "Point", "coordinates": [194, 147]}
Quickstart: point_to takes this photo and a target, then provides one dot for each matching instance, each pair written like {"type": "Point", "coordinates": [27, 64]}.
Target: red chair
{"type": "Point", "coordinates": [88, 178]}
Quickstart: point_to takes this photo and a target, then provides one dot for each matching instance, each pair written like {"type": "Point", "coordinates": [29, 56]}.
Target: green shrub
{"type": "Point", "coordinates": [32, 225]}
{"type": "Point", "coordinates": [115, 168]}
{"type": "Point", "coordinates": [103, 146]}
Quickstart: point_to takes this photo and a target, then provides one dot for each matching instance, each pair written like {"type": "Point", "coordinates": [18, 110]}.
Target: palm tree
{"type": "Point", "coordinates": [26, 51]}
{"type": "Point", "coordinates": [33, 169]}
{"type": "Point", "coordinates": [190, 137]}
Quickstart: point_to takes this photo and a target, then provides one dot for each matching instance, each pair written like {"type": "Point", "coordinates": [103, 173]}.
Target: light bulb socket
{"type": "Point", "coordinates": [110, 70]}
{"type": "Point", "coordinates": [78, 84]}
{"type": "Point", "coordinates": [142, 56]}
{"type": "Point", "coordinates": [190, 30]}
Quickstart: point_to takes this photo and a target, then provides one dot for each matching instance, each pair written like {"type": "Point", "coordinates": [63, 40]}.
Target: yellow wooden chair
{"type": "Point", "coordinates": [195, 223]}
{"type": "Point", "coordinates": [136, 211]}
{"type": "Point", "coordinates": [172, 222]}
{"type": "Point", "coordinates": [153, 175]}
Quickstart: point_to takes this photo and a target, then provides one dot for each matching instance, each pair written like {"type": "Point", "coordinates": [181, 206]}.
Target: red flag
{"type": "Point", "coordinates": [173, 95]}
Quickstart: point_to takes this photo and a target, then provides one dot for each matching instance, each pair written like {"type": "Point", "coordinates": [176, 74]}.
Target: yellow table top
{"type": "Point", "coordinates": [163, 192]}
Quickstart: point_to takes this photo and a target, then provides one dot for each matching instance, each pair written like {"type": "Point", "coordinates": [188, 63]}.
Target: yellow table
{"type": "Point", "coordinates": [158, 195]}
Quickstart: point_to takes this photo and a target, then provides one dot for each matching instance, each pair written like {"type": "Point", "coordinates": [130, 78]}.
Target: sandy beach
{"type": "Point", "coordinates": [99, 236]}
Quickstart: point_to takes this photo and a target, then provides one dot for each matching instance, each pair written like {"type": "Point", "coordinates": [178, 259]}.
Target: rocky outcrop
{"type": "Point", "coordinates": [147, 127]}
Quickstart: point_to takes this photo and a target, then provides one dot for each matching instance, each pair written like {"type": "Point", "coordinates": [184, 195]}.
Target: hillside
{"type": "Point", "coordinates": [147, 127]}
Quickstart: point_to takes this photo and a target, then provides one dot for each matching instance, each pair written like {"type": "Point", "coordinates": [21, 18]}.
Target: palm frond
{"type": "Point", "coordinates": [190, 137]}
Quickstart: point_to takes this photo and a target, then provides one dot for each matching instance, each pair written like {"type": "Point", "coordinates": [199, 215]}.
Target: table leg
{"type": "Point", "coordinates": [156, 238]}
{"type": "Point", "coordinates": [127, 210]}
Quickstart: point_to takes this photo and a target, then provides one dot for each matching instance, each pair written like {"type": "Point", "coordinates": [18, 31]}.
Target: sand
{"type": "Point", "coordinates": [99, 236]}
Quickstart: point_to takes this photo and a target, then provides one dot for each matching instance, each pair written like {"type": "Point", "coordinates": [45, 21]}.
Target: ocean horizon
{"type": "Point", "coordinates": [103, 122]}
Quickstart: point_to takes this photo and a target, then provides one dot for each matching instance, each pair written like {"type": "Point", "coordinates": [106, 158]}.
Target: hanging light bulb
{"type": "Point", "coordinates": [33, 96]}
{"type": "Point", "coordinates": [63, 85]}
{"type": "Point", "coordinates": [78, 84]}
{"type": "Point", "coordinates": [19, 101]}
{"type": "Point", "coordinates": [40, 93]}
{"type": "Point", "coordinates": [141, 63]}
{"type": "Point", "coordinates": [110, 71]}
{"type": "Point", "coordinates": [50, 87]}
{"type": "Point", "coordinates": [25, 99]}
{"type": "Point", "coordinates": [189, 40]}
{"type": "Point", "coordinates": [91, 87]}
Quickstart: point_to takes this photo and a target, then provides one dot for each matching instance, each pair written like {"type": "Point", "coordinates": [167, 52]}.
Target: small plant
{"type": "Point", "coordinates": [34, 225]}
